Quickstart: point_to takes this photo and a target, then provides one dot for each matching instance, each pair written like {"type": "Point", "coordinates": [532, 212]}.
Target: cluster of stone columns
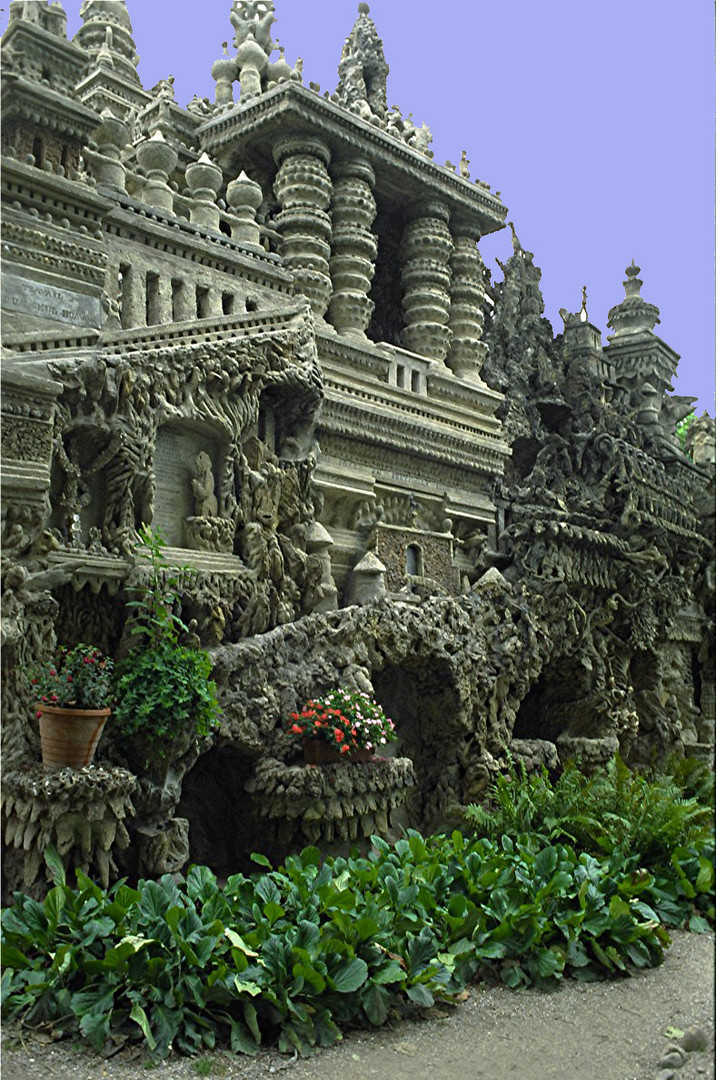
{"type": "Point", "coordinates": [325, 222]}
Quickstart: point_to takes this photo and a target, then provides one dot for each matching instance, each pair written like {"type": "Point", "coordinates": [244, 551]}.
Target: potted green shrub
{"type": "Point", "coordinates": [345, 725]}
{"type": "Point", "coordinates": [74, 694]}
{"type": "Point", "coordinates": [165, 695]}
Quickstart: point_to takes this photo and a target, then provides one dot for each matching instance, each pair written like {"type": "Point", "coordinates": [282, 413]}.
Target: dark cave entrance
{"type": "Point", "coordinates": [423, 702]}
{"type": "Point", "coordinates": [223, 827]}
{"type": "Point", "coordinates": [560, 702]}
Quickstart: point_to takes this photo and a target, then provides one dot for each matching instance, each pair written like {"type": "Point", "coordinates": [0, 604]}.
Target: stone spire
{"type": "Point", "coordinates": [363, 71]}
{"type": "Point", "coordinates": [633, 315]}
{"type": "Point", "coordinates": [106, 34]}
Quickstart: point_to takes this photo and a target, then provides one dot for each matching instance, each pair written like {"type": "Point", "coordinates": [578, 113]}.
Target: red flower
{"type": "Point", "coordinates": [297, 729]}
{"type": "Point", "coordinates": [340, 735]}
{"type": "Point", "coordinates": [345, 749]}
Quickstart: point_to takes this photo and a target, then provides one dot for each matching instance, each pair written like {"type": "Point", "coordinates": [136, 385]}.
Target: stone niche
{"type": "Point", "coordinates": [411, 555]}
{"type": "Point", "coordinates": [188, 466]}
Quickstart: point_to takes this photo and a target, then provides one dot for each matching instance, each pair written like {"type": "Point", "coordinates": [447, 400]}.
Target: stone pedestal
{"type": "Point", "coordinates": [303, 189]}
{"type": "Point", "coordinates": [354, 246]}
{"type": "Point", "coordinates": [427, 248]}
{"type": "Point", "coordinates": [467, 350]}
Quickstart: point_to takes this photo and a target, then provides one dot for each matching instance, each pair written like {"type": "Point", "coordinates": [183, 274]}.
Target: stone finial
{"type": "Point", "coordinates": [106, 34]}
{"type": "Point", "coordinates": [244, 196]}
{"type": "Point", "coordinates": [633, 314]}
{"type": "Point", "coordinates": [204, 179]}
{"type": "Point", "coordinates": [363, 71]}
{"type": "Point", "coordinates": [224, 71]}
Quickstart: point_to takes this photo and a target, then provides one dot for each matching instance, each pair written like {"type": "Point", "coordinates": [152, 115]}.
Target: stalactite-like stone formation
{"type": "Point", "coordinates": [467, 350]}
{"type": "Point", "coordinates": [354, 247]}
{"type": "Point", "coordinates": [427, 247]}
{"type": "Point", "coordinates": [82, 812]}
{"type": "Point", "coordinates": [303, 188]}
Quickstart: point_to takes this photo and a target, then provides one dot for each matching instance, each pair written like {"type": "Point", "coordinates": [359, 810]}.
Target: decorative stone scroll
{"type": "Point", "coordinates": [354, 246]}
{"type": "Point", "coordinates": [467, 350]}
{"type": "Point", "coordinates": [427, 247]}
{"type": "Point", "coordinates": [303, 188]}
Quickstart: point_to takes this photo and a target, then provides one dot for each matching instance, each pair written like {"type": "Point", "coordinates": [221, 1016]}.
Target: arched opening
{"type": "Point", "coordinates": [422, 700]}
{"type": "Point", "coordinates": [223, 829]}
{"type": "Point", "coordinates": [561, 702]}
{"type": "Point", "coordinates": [38, 151]}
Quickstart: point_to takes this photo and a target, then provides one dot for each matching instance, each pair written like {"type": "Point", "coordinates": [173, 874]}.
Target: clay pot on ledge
{"type": "Point", "coordinates": [319, 752]}
{"type": "Point", "coordinates": [69, 737]}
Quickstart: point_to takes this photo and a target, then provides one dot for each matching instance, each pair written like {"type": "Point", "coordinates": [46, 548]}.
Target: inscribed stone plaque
{"type": "Point", "coordinates": [49, 302]}
{"type": "Point", "coordinates": [174, 467]}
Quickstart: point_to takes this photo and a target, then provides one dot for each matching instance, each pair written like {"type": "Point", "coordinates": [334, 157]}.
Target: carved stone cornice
{"type": "Point", "coordinates": [400, 170]}
{"type": "Point", "coordinates": [31, 40]}
{"type": "Point", "coordinates": [49, 252]}
{"type": "Point", "coordinates": [39, 104]}
{"type": "Point", "coordinates": [395, 466]}
{"type": "Point", "coordinates": [366, 424]}
{"type": "Point", "coordinates": [37, 192]}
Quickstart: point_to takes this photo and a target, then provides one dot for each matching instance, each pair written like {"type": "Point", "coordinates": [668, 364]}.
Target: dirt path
{"type": "Point", "coordinates": [597, 1031]}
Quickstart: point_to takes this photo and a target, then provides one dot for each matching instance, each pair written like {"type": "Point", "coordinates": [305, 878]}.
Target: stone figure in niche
{"type": "Point", "coordinates": [205, 501]}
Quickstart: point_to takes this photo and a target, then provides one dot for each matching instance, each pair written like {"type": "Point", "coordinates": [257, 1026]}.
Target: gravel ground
{"type": "Point", "coordinates": [583, 1031]}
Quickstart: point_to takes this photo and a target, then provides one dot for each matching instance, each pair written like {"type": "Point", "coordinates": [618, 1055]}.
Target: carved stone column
{"type": "Point", "coordinates": [427, 247]}
{"type": "Point", "coordinates": [303, 189]}
{"type": "Point", "coordinates": [467, 350]}
{"type": "Point", "coordinates": [354, 246]}
{"type": "Point", "coordinates": [134, 298]}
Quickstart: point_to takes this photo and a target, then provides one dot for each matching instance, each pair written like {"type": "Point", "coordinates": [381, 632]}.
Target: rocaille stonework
{"type": "Point", "coordinates": [263, 323]}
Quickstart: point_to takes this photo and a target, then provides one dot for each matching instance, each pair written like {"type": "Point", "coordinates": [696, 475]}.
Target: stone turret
{"type": "Point", "coordinates": [100, 16]}
{"type": "Point", "coordinates": [640, 357]}
{"type": "Point", "coordinates": [363, 71]}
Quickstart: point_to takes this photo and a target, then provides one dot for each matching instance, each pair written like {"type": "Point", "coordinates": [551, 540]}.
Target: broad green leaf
{"type": "Point", "coordinates": [350, 976]}
{"type": "Point", "coordinates": [245, 987]}
{"type": "Point", "coordinates": [139, 1016]}
{"type": "Point", "coordinates": [375, 1001]}
{"type": "Point", "coordinates": [421, 995]}
{"type": "Point", "coordinates": [238, 942]}
{"type": "Point", "coordinates": [55, 865]}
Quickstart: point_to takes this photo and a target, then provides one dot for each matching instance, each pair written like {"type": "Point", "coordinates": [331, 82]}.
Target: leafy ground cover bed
{"type": "Point", "coordinates": [293, 955]}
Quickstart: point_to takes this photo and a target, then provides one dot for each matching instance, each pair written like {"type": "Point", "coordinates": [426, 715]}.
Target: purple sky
{"type": "Point", "coordinates": [594, 121]}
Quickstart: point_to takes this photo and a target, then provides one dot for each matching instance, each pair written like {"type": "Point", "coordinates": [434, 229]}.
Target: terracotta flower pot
{"type": "Point", "coordinates": [69, 737]}
{"type": "Point", "coordinates": [319, 752]}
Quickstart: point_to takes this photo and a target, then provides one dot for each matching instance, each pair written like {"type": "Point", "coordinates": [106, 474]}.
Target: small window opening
{"type": "Point", "coordinates": [202, 302]}
{"type": "Point", "coordinates": [152, 299]}
{"type": "Point", "coordinates": [251, 304]}
{"type": "Point", "coordinates": [415, 382]}
{"type": "Point", "coordinates": [400, 376]}
{"type": "Point", "coordinates": [124, 281]}
{"type": "Point", "coordinates": [227, 303]}
{"type": "Point", "coordinates": [414, 560]}
{"type": "Point", "coordinates": [38, 151]}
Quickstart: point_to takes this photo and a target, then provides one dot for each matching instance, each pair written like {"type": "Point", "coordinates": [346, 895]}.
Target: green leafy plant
{"type": "Point", "coordinates": [346, 719]}
{"type": "Point", "coordinates": [164, 689]}
{"type": "Point", "coordinates": [682, 428]}
{"type": "Point", "coordinates": [294, 954]}
{"type": "Point", "coordinates": [79, 678]}
{"type": "Point", "coordinates": [613, 809]}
